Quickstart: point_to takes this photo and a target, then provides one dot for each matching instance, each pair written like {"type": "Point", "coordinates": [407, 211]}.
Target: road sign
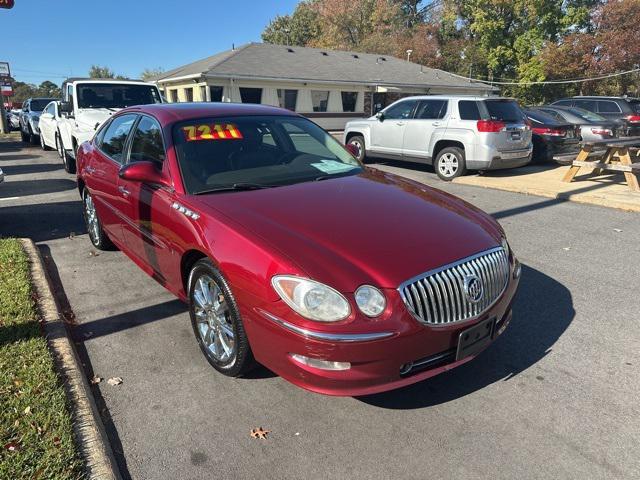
{"type": "Point", "coordinates": [6, 90]}
{"type": "Point", "coordinates": [4, 68]}
{"type": "Point", "coordinates": [6, 3]}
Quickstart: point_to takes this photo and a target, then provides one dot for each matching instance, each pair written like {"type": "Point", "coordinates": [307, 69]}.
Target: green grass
{"type": "Point", "coordinates": [34, 413]}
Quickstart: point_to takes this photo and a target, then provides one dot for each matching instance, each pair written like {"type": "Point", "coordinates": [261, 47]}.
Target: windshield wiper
{"type": "Point", "coordinates": [235, 187]}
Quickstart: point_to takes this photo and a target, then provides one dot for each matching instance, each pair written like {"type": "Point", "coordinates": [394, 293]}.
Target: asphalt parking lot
{"type": "Point", "coordinates": [555, 397]}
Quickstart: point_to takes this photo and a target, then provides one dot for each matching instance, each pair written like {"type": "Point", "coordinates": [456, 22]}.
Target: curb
{"type": "Point", "coordinates": [90, 433]}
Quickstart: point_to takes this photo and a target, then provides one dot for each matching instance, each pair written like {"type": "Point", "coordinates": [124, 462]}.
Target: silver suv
{"type": "Point", "coordinates": [30, 117]}
{"type": "Point", "coordinates": [454, 133]}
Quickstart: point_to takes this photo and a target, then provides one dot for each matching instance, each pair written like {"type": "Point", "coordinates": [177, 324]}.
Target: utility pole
{"type": "Point", "coordinates": [4, 128]}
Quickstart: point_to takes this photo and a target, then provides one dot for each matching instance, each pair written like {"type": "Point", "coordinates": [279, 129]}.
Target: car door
{"type": "Point", "coordinates": [430, 116]}
{"type": "Point", "coordinates": [387, 133]}
{"type": "Point", "coordinates": [101, 173]}
{"type": "Point", "coordinates": [148, 216]}
{"type": "Point", "coordinates": [47, 124]}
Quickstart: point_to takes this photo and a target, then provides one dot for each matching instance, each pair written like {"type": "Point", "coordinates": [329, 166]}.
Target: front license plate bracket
{"type": "Point", "coordinates": [473, 340]}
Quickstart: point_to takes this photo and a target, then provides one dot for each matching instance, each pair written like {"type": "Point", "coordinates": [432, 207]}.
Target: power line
{"type": "Point", "coordinates": [551, 82]}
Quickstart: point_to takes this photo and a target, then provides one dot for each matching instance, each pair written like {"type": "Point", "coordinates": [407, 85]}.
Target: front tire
{"type": "Point", "coordinates": [450, 163]}
{"type": "Point", "coordinates": [97, 235]}
{"type": "Point", "coordinates": [59, 146]}
{"type": "Point", "coordinates": [32, 137]}
{"type": "Point", "coordinates": [216, 321]}
{"type": "Point", "coordinates": [358, 142]}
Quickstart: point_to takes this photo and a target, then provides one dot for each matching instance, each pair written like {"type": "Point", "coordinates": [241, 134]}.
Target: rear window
{"type": "Point", "coordinates": [587, 104]}
{"type": "Point", "coordinates": [504, 110]}
{"type": "Point", "coordinates": [542, 118]}
{"type": "Point", "coordinates": [564, 103]}
{"type": "Point", "coordinates": [635, 105]}
{"type": "Point", "coordinates": [469, 110]}
{"type": "Point", "coordinates": [586, 114]}
{"type": "Point", "coordinates": [607, 106]}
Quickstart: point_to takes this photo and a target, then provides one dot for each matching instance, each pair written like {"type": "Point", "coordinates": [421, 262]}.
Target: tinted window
{"type": "Point", "coordinates": [188, 94]}
{"type": "Point", "coordinates": [320, 100]}
{"type": "Point", "coordinates": [469, 110]}
{"type": "Point", "coordinates": [287, 99]}
{"type": "Point", "coordinates": [349, 101]}
{"type": "Point", "coordinates": [605, 106]}
{"type": "Point", "coordinates": [586, 104]}
{"type": "Point", "coordinates": [586, 114]}
{"type": "Point", "coordinates": [541, 118]}
{"type": "Point", "coordinates": [146, 143]}
{"type": "Point", "coordinates": [635, 105]}
{"type": "Point", "coordinates": [251, 95]}
{"type": "Point", "coordinates": [38, 104]}
{"type": "Point", "coordinates": [564, 103]}
{"type": "Point", "coordinates": [554, 114]}
{"type": "Point", "coordinates": [215, 93]}
{"type": "Point", "coordinates": [504, 110]}
{"type": "Point", "coordinates": [267, 150]}
{"type": "Point", "coordinates": [115, 136]}
{"type": "Point", "coordinates": [113, 95]}
{"type": "Point", "coordinates": [400, 110]}
{"type": "Point", "coordinates": [431, 109]}
{"type": "Point", "coordinates": [51, 108]}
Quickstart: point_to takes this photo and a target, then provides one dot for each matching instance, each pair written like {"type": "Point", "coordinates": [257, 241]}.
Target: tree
{"type": "Point", "coordinates": [49, 89]}
{"type": "Point", "coordinates": [97, 71]}
{"type": "Point", "coordinates": [22, 91]}
{"type": "Point", "coordinates": [299, 28]}
{"type": "Point", "coordinates": [151, 73]}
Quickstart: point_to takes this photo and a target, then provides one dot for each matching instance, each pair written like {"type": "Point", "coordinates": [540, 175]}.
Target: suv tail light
{"type": "Point", "coordinates": [633, 118]}
{"type": "Point", "coordinates": [552, 132]}
{"type": "Point", "coordinates": [490, 126]}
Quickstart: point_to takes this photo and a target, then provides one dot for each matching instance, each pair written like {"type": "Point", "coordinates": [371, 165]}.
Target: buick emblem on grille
{"type": "Point", "coordinates": [473, 288]}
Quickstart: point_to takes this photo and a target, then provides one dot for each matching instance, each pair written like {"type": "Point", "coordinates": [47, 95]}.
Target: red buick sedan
{"type": "Point", "coordinates": [342, 279]}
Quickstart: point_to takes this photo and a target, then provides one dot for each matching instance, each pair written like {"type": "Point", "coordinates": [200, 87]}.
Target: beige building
{"type": "Point", "coordinates": [328, 86]}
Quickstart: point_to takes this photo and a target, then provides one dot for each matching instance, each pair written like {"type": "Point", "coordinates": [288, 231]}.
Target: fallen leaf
{"type": "Point", "coordinates": [57, 441]}
{"type": "Point", "coordinates": [259, 433]}
{"type": "Point", "coordinates": [96, 379]}
{"type": "Point", "coordinates": [12, 447]}
{"type": "Point", "coordinates": [16, 423]}
{"type": "Point", "coordinates": [93, 253]}
{"type": "Point", "coordinates": [17, 382]}
{"type": "Point", "coordinates": [113, 381]}
{"type": "Point", "coordinates": [27, 411]}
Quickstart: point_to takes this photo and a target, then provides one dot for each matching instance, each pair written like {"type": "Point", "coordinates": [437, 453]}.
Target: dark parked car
{"type": "Point", "coordinates": [623, 110]}
{"type": "Point", "coordinates": [593, 127]}
{"type": "Point", "coordinates": [344, 280]}
{"type": "Point", "coordinates": [550, 136]}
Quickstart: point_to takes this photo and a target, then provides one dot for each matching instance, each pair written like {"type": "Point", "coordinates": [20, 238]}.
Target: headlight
{"type": "Point", "coordinates": [370, 300]}
{"type": "Point", "coordinates": [312, 300]}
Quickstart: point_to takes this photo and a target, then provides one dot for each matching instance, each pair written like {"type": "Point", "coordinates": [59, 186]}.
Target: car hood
{"type": "Point", "coordinates": [373, 227]}
{"type": "Point", "coordinates": [91, 118]}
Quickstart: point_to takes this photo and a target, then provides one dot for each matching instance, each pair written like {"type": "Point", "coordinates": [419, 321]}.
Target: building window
{"type": "Point", "coordinates": [319, 99]}
{"type": "Point", "coordinates": [349, 101]}
{"type": "Point", "coordinates": [203, 93]}
{"type": "Point", "coordinates": [251, 95]}
{"type": "Point", "coordinates": [287, 99]}
{"type": "Point", "coordinates": [215, 93]}
{"type": "Point", "coordinates": [188, 94]}
{"type": "Point", "coordinates": [173, 96]}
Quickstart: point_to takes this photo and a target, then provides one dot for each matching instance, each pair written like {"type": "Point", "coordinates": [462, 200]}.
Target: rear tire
{"type": "Point", "coordinates": [216, 321]}
{"type": "Point", "coordinates": [43, 144]}
{"type": "Point", "coordinates": [450, 163]}
{"type": "Point", "coordinates": [97, 235]}
{"type": "Point", "coordinates": [32, 137]}
{"type": "Point", "coordinates": [69, 162]}
{"type": "Point", "coordinates": [358, 142]}
{"type": "Point", "coordinates": [23, 136]}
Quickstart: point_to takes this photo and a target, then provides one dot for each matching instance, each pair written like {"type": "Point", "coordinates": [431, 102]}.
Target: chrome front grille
{"type": "Point", "coordinates": [446, 295]}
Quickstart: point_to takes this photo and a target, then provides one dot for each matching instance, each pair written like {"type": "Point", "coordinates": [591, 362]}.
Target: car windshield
{"type": "Point", "coordinates": [587, 115]}
{"type": "Point", "coordinates": [116, 95]}
{"type": "Point", "coordinates": [257, 151]}
{"type": "Point", "coordinates": [37, 105]}
{"type": "Point", "coordinates": [504, 110]}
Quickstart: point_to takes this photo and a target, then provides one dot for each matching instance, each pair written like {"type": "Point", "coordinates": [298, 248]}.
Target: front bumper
{"type": "Point", "coordinates": [377, 364]}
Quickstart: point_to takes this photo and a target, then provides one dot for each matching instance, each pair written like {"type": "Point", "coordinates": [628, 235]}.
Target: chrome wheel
{"type": "Point", "coordinates": [448, 165]}
{"type": "Point", "coordinates": [93, 225]}
{"type": "Point", "coordinates": [213, 319]}
{"type": "Point", "coordinates": [358, 146]}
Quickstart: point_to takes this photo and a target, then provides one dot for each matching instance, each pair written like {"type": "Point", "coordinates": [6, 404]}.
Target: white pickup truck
{"type": "Point", "coordinates": [87, 103]}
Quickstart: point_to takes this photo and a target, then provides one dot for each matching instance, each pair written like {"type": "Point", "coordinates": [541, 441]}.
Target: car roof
{"type": "Point", "coordinates": [454, 97]}
{"type": "Point", "coordinates": [106, 80]}
{"type": "Point", "coordinates": [599, 97]}
{"type": "Point", "coordinates": [175, 112]}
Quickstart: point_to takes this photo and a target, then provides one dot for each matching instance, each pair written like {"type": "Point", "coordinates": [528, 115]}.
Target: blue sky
{"type": "Point", "coordinates": [51, 40]}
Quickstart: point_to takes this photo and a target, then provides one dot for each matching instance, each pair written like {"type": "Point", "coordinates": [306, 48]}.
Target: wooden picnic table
{"type": "Point", "coordinates": [615, 155]}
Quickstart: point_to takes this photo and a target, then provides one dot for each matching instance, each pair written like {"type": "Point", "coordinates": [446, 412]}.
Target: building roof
{"type": "Point", "coordinates": [264, 61]}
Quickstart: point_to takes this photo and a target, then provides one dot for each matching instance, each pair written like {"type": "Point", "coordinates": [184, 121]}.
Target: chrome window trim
{"type": "Point", "coordinates": [424, 278]}
{"type": "Point", "coordinates": [329, 337]}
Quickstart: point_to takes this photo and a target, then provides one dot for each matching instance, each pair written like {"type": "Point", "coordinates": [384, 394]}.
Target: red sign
{"type": "Point", "coordinates": [6, 90]}
{"type": "Point", "coordinates": [6, 3]}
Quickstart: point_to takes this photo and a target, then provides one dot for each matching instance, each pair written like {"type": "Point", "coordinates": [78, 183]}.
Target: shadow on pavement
{"type": "Point", "coordinates": [30, 168]}
{"type": "Point", "coordinates": [16, 157]}
{"type": "Point", "coordinates": [542, 311]}
{"type": "Point", "coordinates": [42, 221]}
{"type": "Point", "coordinates": [21, 188]}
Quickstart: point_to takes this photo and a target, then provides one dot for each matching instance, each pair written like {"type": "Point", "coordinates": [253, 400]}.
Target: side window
{"type": "Point", "coordinates": [70, 94]}
{"type": "Point", "coordinates": [554, 114]}
{"type": "Point", "coordinates": [400, 110]}
{"type": "Point", "coordinates": [606, 106]}
{"type": "Point", "coordinates": [147, 142]}
{"type": "Point", "coordinates": [469, 110]}
{"type": "Point", "coordinates": [100, 135]}
{"type": "Point", "coordinates": [115, 137]}
{"type": "Point", "coordinates": [431, 109]}
{"type": "Point", "coordinates": [564, 103]}
{"type": "Point", "coordinates": [587, 104]}
{"type": "Point", "coordinates": [50, 109]}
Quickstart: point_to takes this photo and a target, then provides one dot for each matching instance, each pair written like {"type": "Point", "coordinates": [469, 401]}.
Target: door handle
{"type": "Point", "coordinates": [124, 191]}
{"type": "Point", "coordinates": [436, 124]}
{"type": "Point", "coordinates": [399, 123]}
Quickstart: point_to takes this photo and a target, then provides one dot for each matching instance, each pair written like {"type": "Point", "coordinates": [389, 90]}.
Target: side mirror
{"type": "Point", "coordinates": [380, 116]}
{"type": "Point", "coordinates": [144, 172]}
{"type": "Point", "coordinates": [352, 149]}
{"type": "Point", "coordinates": [65, 107]}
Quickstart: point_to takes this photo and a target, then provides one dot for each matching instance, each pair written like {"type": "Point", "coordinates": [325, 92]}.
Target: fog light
{"type": "Point", "coordinates": [517, 269]}
{"type": "Point", "coordinates": [320, 364]}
